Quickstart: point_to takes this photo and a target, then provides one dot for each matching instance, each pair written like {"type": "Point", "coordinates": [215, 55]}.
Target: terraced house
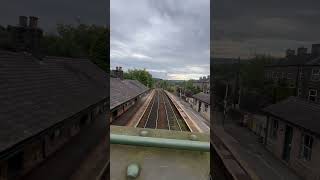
{"type": "Point", "coordinates": [300, 72]}
{"type": "Point", "coordinates": [45, 103]}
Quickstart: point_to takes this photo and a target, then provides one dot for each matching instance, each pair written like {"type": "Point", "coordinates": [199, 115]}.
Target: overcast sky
{"type": "Point", "coordinates": [170, 38]}
{"type": "Point", "coordinates": [242, 28]}
{"type": "Point", "coordinates": [51, 12]}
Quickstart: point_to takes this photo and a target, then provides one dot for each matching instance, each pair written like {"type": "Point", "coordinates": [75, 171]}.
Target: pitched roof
{"type": "Point", "coordinates": [122, 91]}
{"type": "Point", "coordinates": [202, 97]}
{"type": "Point", "coordinates": [35, 95]}
{"type": "Point", "coordinates": [297, 111]}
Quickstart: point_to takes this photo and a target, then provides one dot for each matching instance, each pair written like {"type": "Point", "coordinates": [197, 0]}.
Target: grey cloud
{"type": "Point", "coordinates": [267, 26]}
{"type": "Point", "coordinates": [163, 35]}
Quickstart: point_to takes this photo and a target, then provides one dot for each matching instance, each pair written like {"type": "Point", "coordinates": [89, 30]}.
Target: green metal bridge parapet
{"type": "Point", "coordinates": [143, 154]}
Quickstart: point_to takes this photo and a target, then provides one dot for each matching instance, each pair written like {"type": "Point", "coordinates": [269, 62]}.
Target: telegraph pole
{"type": "Point", "coordinates": [225, 103]}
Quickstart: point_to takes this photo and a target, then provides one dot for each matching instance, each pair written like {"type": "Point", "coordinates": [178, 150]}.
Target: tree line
{"type": "Point", "coordinates": [75, 41]}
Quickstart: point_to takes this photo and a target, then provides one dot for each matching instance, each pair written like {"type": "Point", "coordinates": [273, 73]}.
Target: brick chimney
{"type": "Point", "coordinates": [315, 51]}
{"type": "Point", "coordinates": [290, 52]}
{"type": "Point", "coordinates": [302, 51]}
{"type": "Point", "coordinates": [33, 22]}
{"type": "Point", "coordinates": [117, 73]}
{"type": "Point", "coordinates": [23, 21]}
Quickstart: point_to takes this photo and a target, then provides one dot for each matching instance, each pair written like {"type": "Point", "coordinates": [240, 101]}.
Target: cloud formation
{"type": "Point", "coordinates": [242, 28]}
{"type": "Point", "coordinates": [170, 38]}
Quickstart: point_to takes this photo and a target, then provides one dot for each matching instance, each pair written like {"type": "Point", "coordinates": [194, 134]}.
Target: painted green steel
{"type": "Point", "coordinates": [160, 142]}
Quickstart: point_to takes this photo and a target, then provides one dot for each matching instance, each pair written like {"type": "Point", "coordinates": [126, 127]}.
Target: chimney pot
{"type": "Point", "coordinates": [23, 21]}
{"type": "Point", "coordinates": [290, 52]}
{"type": "Point", "coordinates": [33, 22]}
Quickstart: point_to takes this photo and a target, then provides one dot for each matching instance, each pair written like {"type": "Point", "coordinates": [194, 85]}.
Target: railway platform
{"type": "Point", "coordinates": [201, 124]}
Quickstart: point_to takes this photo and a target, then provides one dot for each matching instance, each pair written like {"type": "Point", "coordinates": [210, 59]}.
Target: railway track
{"type": "Point", "coordinates": [161, 114]}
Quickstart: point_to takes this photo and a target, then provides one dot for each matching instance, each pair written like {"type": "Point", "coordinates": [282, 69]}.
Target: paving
{"type": "Point", "coordinates": [67, 161]}
{"type": "Point", "coordinates": [133, 122]}
{"type": "Point", "coordinates": [197, 119]}
{"type": "Point", "coordinates": [252, 155]}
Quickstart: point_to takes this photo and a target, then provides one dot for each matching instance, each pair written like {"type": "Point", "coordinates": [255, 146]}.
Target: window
{"type": "Point", "coordinates": [283, 75]}
{"type": "Point", "coordinates": [55, 134]}
{"type": "Point", "coordinates": [301, 75]}
{"type": "Point", "coordinates": [315, 75]}
{"type": "Point", "coordinates": [289, 76]}
{"type": "Point", "coordinates": [299, 92]}
{"type": "Point", "coordinates": [292, 84]}
{"type": "Point", "coordinates": [274, 75]}
{"type": "Point", "coordinates": [206, 107]}
{"type": "Point", "coordinates": [274, 128]}
{"type": "Point", "coordinates": [306, 146]}
{"type": "Point", "coordinates": [312, 95]}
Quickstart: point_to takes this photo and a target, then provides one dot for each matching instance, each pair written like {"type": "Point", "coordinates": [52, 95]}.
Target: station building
{"type": "Point", "coordinates": [44, 103]}
{"type": "Point", "coordinates": [124, 93]}
{"type": "Point", "coordinates": [293, 135]}
{"type": "Point", "coordinates": [201, 103]}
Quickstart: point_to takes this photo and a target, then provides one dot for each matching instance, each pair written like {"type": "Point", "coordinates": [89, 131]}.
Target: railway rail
{"type": "Point", "coordinates": [161, 114]}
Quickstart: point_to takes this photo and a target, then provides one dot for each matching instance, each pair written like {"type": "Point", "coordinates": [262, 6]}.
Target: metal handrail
{"type": "Point", "coordinates": [160, 142]}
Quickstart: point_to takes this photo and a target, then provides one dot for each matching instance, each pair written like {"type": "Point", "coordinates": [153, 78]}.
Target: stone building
{"type": "Point", "coordinates": [293, 135]}
{"type": "Point", "coordinates": [201, 103]}
{"type": "Point", "coordinates": [124, 93]}
{"type": "Point", "coordinates": [44, 103]}
{"type": "Point", "coordinates": [300, 72]}
{"type": "Point", "coordinates": [203, 84]}
{"type": "Point", "coordinates": [25, 36]}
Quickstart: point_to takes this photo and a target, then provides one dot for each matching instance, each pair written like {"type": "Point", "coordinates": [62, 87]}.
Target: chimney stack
{"type": "Point", "coordinates": [33, 22]}
{"type": "Point", "coordinates": [302, 51]}
{"type": "Point", "coordinates": [315, 51]}
{"type": "Point", "coordinates": [120, 68]}
{"type": "Point", "coordinates": [290, 52]}
{"type": "Point", "coordinates": [23, 21]}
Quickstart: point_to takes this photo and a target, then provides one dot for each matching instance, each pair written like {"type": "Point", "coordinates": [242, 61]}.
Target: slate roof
{"type": "Point", "coordinates": [202, 97]}
{"type": "Point", "coordinates": [122, 91]}
{"type": "Point", "coordinates": [297, 111]}
{"type": "Point", "coordinates": [37, 94]}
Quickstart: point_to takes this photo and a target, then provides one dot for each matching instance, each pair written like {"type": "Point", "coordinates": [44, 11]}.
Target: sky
{"type": "Point", "coordinates": [51, 12]}
{"type": "Point", "coordinates": [169, 38]}
{"type": "Point", "coordinates": [243, 28]}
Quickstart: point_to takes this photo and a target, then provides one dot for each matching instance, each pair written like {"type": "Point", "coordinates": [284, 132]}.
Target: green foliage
{"type": "Point", "coordinates": [79, 41]}
{"type": "Point", "coordinates": [164, 84]}
{"type": "Point", "coordinates": [141, 75]}
{"type": "Point", "coordinates": [188, 86]}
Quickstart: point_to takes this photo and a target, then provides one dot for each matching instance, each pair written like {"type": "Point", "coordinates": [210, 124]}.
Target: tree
{"type": "Point", "coordinates": [142, 76]}
{"type": "Point", "coordinates": [87, 41]}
